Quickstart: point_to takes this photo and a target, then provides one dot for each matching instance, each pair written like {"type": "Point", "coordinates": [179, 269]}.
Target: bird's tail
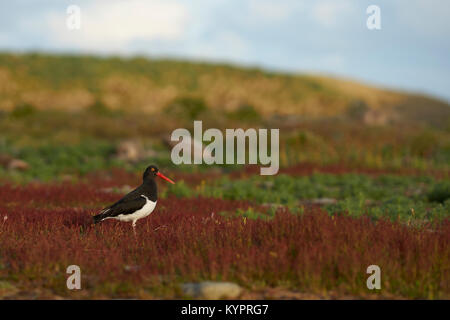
{"type": "Point", "coordinates": [98, 218]}
{"type": "Point", "coordinates": [102, 215]}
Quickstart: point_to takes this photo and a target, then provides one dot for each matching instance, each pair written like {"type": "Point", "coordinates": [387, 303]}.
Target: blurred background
{"type": "Point", "coordinates": [74, 101]}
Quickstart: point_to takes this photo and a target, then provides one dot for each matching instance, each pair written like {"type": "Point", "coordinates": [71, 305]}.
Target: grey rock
{"type": "Point", "coordinates": [132, 268]}
{"type": "Point", "coordinates": [17, 164]}
{"type": "Point", "coordinates": [121, 190]}
{"type": "Point", "coordinates": [320, 201]}
{"type": "Point", "coordinates": [134, 151]}
{"type": "Point", "coordinates": [10, 163]}
{"type": "Point", "coordinates": [212, 290]}
{"type": "Point", "coordinates": [323, 201]}
{"type": "Point", "coordinates": [129, 151]}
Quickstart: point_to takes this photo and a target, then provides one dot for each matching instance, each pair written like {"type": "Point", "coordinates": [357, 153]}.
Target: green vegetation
{"type": "Point", "coordinates": [83, 106]}
{"type": "Point", "coordinates": [440, 192]}
{"type": "Point", "coordinates": [76, 143]}
{"type": "Point", "coordinates": [404, 198]}
{"type": "Point", "coordinates": [186, 107]}
{"type": "Point", "coordinates": [48, 161]}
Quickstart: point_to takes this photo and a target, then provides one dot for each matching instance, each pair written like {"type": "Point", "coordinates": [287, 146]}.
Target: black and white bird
{"type": "Point", "coordinates": [137, 204]}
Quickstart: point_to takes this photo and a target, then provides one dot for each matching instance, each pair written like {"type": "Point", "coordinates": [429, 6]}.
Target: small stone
{"type": "Point", "coordinates": [120, 190]}
{"type": "Point", "coordinates": [128, 151]}
{"type": "Point", "coordinates": [17, 164]}
{"type": "Point", "coordinates": [319, 201]}
{"type": "Point", "coordinates": [212, 290]}
{"type": "Point", "coordinates": [132, 268]}
{"type": "Point", "coordinates": [67, 177]}
{"type": "Point", "coordinates": [133, 151]}
{"type": "Point", "coordinates": [267, 185]}
{"type": "Point", "coordinates": [324, 201]}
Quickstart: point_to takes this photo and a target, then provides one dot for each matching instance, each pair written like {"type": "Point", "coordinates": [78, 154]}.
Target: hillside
{"type": "Point", "coordinates": [74, 83]}
{"type": "Point", "coordinates": [74, 114]}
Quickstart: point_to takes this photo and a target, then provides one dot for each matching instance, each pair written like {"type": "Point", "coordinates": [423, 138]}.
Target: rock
{"type": "Point", "coordinates": [128, 151]}
{"type": "Point", "coordinates": [188, 142]}
{"type": "Point", "coordinates": [121, 190]}
{"type": "Point", "coordinates": [319, 201]}
{"type": "Point", "coordinates": [133, 151]}
{"type": "Point", "coordinates": [17, 164]}
{"type": "Point", "coordinates": [212, 290]}
{"type": "Point", "coordinates": [10, 163]}
{"type": "Point", "coordinates": [376, 118]}
{"type": "Point", "coordinates": [67, 177]}
{"type": "Point", "coordinates": [132, 268]}
{"type": "Point", "coordinates": [323, 201]}
{"type": "Point", "coordinates": [267, 185]}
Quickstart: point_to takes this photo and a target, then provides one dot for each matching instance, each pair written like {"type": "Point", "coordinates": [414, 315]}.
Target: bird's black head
{"type": "Point", "coordinates": [152, 171]}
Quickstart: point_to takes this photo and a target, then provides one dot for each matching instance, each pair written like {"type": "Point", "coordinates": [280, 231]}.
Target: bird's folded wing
{"type": "Point", "coordinates": [125, 206]}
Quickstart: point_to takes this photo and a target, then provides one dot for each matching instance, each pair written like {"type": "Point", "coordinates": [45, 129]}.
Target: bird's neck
{"type": "Point", "coordinates": [149, 187]}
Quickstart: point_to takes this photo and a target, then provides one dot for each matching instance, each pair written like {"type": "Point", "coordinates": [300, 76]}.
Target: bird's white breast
{"type": "Point", "coordinates": [141, 213]}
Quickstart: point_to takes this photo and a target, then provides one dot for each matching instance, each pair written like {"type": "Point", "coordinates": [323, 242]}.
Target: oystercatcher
{"type": "Point", "coordinates": [137, 204]}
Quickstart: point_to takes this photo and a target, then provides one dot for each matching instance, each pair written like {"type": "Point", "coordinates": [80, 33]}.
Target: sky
{"type": "Point", "coordinates": [410, 52]}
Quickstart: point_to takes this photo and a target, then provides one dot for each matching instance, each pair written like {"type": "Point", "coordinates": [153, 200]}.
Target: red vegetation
{"type": "Point", "coordinates": [304, 169]}
{"type": "Point", "coordinates": [118, 177]}
{"type": "Point", "coordinates": [49, 228]}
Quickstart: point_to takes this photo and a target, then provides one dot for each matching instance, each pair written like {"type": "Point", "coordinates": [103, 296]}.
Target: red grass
{"type": "Point", "coordinates": [118, 177]}
{"type": "Point", "coordinates": [305, 169]}
{"type": "Point", "coordinates": [49, 228]}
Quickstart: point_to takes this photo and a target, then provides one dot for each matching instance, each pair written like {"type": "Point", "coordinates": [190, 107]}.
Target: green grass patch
{"type": "Point", "coordinates": [401, 198]}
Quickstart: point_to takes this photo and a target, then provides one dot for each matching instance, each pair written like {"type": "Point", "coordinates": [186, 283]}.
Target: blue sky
{"type": "Point", "coordinates": [410, 52]}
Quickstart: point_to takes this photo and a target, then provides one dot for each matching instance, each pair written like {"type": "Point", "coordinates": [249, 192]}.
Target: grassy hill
{"type": "Point", "coordinates": [67, 114]}
{"type": "Point", "coordinates": [73, 83]}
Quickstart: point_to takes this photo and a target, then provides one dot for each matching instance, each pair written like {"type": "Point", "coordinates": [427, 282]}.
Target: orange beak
{"type": "Point", "coordinates": [159, 174]}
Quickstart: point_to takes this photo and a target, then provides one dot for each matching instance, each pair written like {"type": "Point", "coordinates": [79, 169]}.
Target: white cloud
{"type": "Point", "coordinates": [112, 25]}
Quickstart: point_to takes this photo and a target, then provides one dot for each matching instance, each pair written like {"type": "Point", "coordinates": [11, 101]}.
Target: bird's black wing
{"type": "Point", "coordinates": [123, 207]}
{"type": "Point", "coordinates": [127, 205]}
